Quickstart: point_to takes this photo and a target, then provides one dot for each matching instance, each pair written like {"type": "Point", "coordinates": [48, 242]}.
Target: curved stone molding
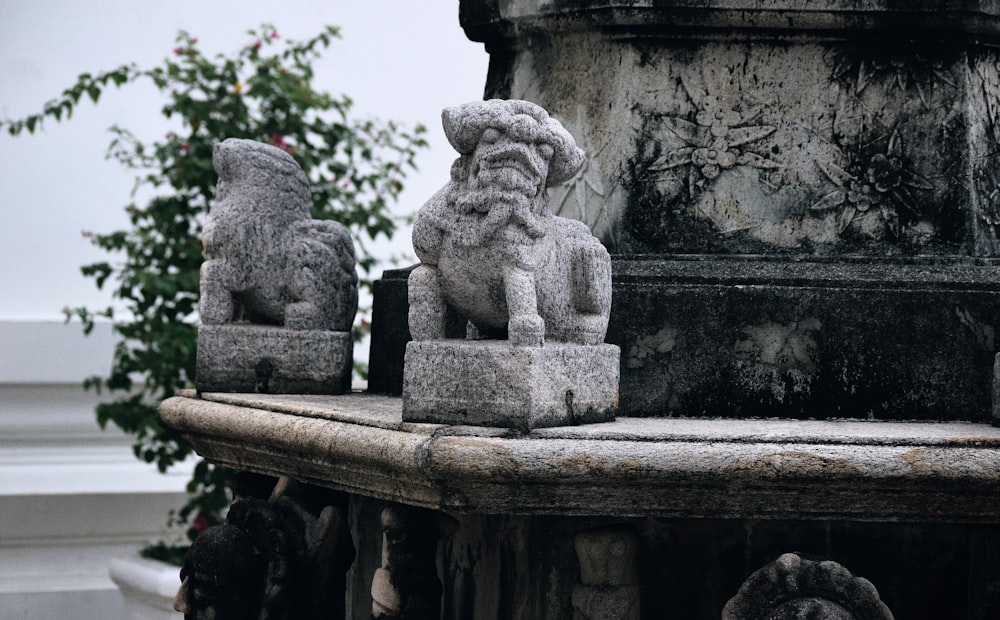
{"type": "Point", "coordinates": [667, 467]}
{"type": "Point", "coordinates": [794, 587]}
{"type": "Point", "coordinates": [480, 18]}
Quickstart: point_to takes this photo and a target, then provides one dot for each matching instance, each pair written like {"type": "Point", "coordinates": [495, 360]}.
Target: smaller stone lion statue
{"type": "Point", "coordinates": [490, 247]}
{"type": "Point", "coordinates": [266, 259]}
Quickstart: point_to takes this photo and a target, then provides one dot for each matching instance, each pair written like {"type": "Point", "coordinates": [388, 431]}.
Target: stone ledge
{"type": "Point", "coordinates": [484, 20]}
{"type": "Point", "coordinates": [773, 469]}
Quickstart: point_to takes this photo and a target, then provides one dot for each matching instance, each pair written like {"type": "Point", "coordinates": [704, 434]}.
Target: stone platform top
{"type": "Point", "coordinates": [664, 467]}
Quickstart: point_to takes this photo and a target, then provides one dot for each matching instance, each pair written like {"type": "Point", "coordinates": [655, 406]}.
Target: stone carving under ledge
{"type": "Point", "coordinates": [535, 288]}
{"type": "Point", "coordinates": [280, 559]}
{"type": "Point", "coordinates": [609, 584]}
{"type": "Point", "coordinates": [794, 587]}
{"type": "Point", "coordinates": [278, 288]}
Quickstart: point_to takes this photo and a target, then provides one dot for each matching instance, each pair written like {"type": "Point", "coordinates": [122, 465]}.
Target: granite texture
{"type": "Point", "coordinates": [264, 254]}
{"type": "Point", "coordinates": [492, 383]}
{"type": "Point", "coordinates": [267, 359]}
{"type": "Point", "coordinates": [268, 263]}
{"type": "Point", "coordinates": [488, 244]}
{"type": "Point", "coordinates": [535, 289]}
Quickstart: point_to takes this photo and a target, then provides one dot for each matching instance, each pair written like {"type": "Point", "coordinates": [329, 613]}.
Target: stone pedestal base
{"type": "Point", "coordinates": [493, 383]}
{"type": "Point", "coordinates": [273, 360]}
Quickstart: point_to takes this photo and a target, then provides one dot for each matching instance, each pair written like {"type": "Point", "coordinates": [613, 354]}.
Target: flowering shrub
{"type": "Point", "coordinates": [263, 92]}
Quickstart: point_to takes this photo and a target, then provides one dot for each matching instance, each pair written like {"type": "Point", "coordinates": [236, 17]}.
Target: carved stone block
{"type": "Point", "coordinates": [609, 586]}
{"type": "Point", "coordinates": [492, 383]}
{"type": "Point", "coordinates": [273, 360]}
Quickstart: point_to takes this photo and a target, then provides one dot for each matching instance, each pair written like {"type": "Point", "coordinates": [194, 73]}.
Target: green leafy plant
{"type": "Point", "coordinates": [263, 91]}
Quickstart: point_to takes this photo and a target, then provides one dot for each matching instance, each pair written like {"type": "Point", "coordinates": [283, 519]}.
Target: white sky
{"type": "Point", "coordinates": [398, 59]}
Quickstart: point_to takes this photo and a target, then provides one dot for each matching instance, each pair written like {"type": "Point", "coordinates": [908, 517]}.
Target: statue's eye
{"type": "Point", "coordinates": [545, 150]}
{"type": "Point", "coordinates": [491, 135]}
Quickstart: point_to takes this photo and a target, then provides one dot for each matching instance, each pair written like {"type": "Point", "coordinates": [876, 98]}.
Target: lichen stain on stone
{"type": "Point", "coordinates": [584, 462]}
{"type": "Point", "coordinates": [920, 461]}
{"type": "Point", "coordinates": [794, 463]}
{"type": "Point", "coordinates": [648, 348]}
{"type": "Point", "coordinates": [778, 359]}
{"type": "Point", "coordinates": [495, 459]}
{"type": "Point", "coordinates": [588, 464]}
{"type": "Point", "coordinates": [938, 462]}
{"type": "Point", "coordinates": [976, 441]}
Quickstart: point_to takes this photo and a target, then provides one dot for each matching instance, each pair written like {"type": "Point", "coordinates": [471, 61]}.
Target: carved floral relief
{"type": "Point", "coordinates": [878, 184]}
{"type": "Point", "coordinates": [588, 195]}
{"type": "Point", "coordinates": [985, 103]}
{"type": "Point", "coordinates": [893, 68]}
{"type": "Point", "coordinates": [842, 149]}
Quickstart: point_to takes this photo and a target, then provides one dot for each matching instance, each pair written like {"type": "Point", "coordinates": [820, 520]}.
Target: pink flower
{"type": "Point", "coordinates": [256, 45]}
{"type": "Point", "coordinates": [274, 35]}
{"type": "Point", "coordinates": [201, 523]}
{"type": "Point", "coordinates": [185, 148]}
{"type": "Point", "coordinates": [278, 140]}
{"type": "Point", "coordinates": [178, 51]}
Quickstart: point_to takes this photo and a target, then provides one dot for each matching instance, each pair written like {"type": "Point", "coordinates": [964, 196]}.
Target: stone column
{"type": "Point", "coordinates": [802, 197]}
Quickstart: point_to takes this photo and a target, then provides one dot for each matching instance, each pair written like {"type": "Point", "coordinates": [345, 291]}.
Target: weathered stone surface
{"type": "Point", "coordinates": [794, 587]}
{"type": "Point", "coordinates": [913, 507]}
{"type": "Point", "coordinates": [768, 469]}
{"type": "Point", "coordinates": [488, 244]}
{"type": "Point", "coordinates": [406, 585]}
{"type": "Point", "coordinates": [792, 339]}
{"type": "Point", "coordinates": [774, 157]}
{"type": "Point", "coordinates": [882, 339]}
{"type": "Point", "coordinates": [534, 288]}
{"type": "Point", "coordinates": [493, 383]}
{"type": "Point", "coordinates": [868, 130]}
{"type": "Point", "coordinates": [268, 262]}
{"type": "Point", "coordinates": [275, 360]}
{"type": "Point", "coordinates": [280, 558]}
{"type": "Point", "coordinates": [609, 585]}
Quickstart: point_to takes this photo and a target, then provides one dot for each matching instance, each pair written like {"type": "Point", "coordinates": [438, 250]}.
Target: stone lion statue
{"type": "Point", "coordinates": [490, 247]}
{"type": "Point", "coordinates": [266, 259]}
